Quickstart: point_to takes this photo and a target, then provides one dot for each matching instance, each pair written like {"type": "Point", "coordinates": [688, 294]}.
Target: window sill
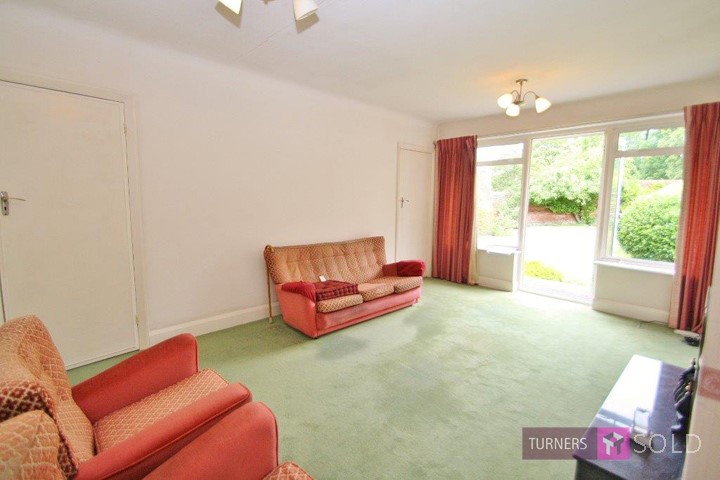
{"type": "Point", "coordinates": [670, 270]}
{"type": "Point", "coordinates": [499, 250]}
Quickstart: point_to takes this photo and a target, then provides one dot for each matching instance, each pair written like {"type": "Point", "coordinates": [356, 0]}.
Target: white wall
{"type": "Point", "coordinates": [641, 103]}
{"type": "Point", "coordinates": [497, 269]}
{"type": "Point", "coordinates": [230, 161]}
{"type": "Point", "coordinates": [638, 293]}
{"type": "Point", "coordinates": [705, 421]}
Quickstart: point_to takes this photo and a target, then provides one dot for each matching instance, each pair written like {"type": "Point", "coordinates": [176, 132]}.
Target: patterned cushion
{"type": "Point", "coordinates": [371, 291]}
{"type": "Point", "coordinates": [33, 377]}
{"type": "Point", "coordinates": [288, 471]}
{"type": "Point", "coordinates": [327, 306]}
{"type": "Point", "coordinates": [354, 261]}
{"type": "Point", "coordinates": [29, 446]}
{"type": "Point", "coordinates": [126, 422]}
{"type": "Point", "coordinates": [333, 289]}
{"type": "Point", "coordinates": [400, 284]}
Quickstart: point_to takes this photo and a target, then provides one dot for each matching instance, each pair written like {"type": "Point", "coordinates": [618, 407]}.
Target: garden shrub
{"type": "Point", "coordinates": [534, 268]}
{"type": "Point", "coordinates": [648, 228]}
{"type": "Point", "coordinates": [582, 205]}
{"type": "Point", "coordinates": [565, 175]}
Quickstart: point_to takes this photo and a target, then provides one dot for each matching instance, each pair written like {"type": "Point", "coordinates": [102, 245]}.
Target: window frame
{"type": "Point", "coordinates": [612, 131]}
{"type": "Point", "coordinates": [612, 153]}
{"type": "Point", "coordinates": [521, 160]}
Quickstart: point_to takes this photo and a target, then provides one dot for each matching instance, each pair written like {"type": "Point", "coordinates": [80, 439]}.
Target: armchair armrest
{"type": "Point", "coordinates": [389, 270]}
{"type": "Point", "coordinates": [135, 378]}
{"type": "Point", "coordinates": [298, 311]}
{"type": "Point", "coordinates": [404, 268]}
{"type": "Point", "coordinates": [242, 446]}
{"type": "Point", "coordinates": [143, 452]}
{"type": "Point", "coordinates": [306, 289]}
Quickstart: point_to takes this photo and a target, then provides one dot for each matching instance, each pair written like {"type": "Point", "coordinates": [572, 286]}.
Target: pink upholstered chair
{"type": "Point", "coordinates": [126, 421]}
{"type": "Point", "coordinates": [234, 448]}
{"type": "Point", "coordinates": [29, 445]}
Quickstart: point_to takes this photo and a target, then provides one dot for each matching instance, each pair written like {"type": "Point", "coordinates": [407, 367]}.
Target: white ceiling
{"type": "Point", "coordinates": [440, 60]}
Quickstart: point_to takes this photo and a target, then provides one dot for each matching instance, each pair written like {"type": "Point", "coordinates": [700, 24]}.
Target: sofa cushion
{"type": "Point", "coordinates": [29, 445]}
{"type": "Point", "coordinates": [126, 422]}
{"type": "Point", "coordinates": [334, 289]}
{"type": "Point", "coordinates": [355, 261]}
{"type": "Point", "coordinates": [327, 322]}
{"type": "Point", "coordinates": [33, 377]}
{"type": "Point", "coordinates": [327, 306]}
{"type": "Point", "coordinates": [400, 284]}
{"type": "Point", "coordinates": [318, 291]}
{"type": "Point", "coordinates": [371, 291]}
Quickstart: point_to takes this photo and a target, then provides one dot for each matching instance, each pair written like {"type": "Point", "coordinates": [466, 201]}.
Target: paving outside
{"type": "Point", "coordinates": [550, 288]}
{"type": "Point", "coordinates": [569, 249]}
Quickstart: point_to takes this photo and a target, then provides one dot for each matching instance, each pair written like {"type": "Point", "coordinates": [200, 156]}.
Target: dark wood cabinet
{"type": "Point", "coordinates": [644, 384]}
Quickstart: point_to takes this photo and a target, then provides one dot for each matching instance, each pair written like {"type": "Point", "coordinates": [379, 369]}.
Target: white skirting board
{"type": "Point", "coordinates": [638, 312]}
{"type": "Point", "coordinates": [496, 284]}
{"type": "Point", "coordinates": [214, 323]}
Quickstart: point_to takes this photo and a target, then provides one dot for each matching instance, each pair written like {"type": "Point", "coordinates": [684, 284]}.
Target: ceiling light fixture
{"type": "Point", "coordinates": [303, 8]}
{"type": "Point", "coordinates": [512, 101]}
{"type": "Point", "coordinates": [233, 5]}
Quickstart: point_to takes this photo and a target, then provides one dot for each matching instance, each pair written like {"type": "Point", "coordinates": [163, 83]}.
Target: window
{"type": "Point", "coordinates": [645, 195]}
{"type": "Point", "coordinates": [495, 153]}
{"type": "Point", "coordinates": [498, 191]}
{"type": "Point", "coordinates": [639, 199]}
{"type": "Point", "coordinates": [652, 138]}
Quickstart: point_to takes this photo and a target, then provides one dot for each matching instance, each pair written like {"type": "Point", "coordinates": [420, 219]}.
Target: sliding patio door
{"type": "Point", "coordinates": [560, 232]}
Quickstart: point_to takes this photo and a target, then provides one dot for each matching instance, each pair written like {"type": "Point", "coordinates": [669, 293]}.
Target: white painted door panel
{"type": "Point", "coordinates": [66, 253]}
{"type": "Point", "coordinates": [415, 205]}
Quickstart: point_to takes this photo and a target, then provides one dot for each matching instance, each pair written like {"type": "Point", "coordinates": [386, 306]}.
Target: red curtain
{"type": "Point", "coordinates": [455, 208]}
{"type": "Point", "coordinates": [702, 162]}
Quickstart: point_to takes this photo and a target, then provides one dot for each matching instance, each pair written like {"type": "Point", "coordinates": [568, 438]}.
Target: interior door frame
{"type": "Point", "coordinates": [133, 198]}
{"type": "Point", "coordinates": [413, 148]}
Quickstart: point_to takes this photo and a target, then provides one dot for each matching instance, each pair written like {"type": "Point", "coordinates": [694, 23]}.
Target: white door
{"type": "Point", "coordinates": [415, 193]}
{"type": "Point", "coordinates": [65, 251]}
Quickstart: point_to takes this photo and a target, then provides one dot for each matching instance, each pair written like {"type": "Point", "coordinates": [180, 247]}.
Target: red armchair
{"type": "Point", "coordinates": [126, 421]}
{"type": "Point", "coordinates": [235, 448]}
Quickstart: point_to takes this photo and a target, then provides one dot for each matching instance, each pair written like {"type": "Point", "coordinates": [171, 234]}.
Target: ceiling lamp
{"type": "Point", "coordinates": [304, 8]}
{"type": "Point", "coordinates": [512, 101]}
{"type": "Point", "coordinates": [233, 5]}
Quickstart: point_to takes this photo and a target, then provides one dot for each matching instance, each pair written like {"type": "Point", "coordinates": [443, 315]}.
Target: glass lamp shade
{"type": "Point", "coordinates": [233, 5]}
{"type": "Point", "coordinates": [304, 8]}
{"type": "Point", "coordinates": [513, 110]}
{"type": "Point", "coordinates": [504, 101]}
{"type": "Point", "coordinates": [542, 104]}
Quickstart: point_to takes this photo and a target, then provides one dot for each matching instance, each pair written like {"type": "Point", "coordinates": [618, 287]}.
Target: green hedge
{"type": "Point", "coordinates": [648, 228]}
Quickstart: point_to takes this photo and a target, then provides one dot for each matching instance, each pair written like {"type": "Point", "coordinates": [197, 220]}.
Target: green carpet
{"type": "Point", "coordinates": [438, 390]}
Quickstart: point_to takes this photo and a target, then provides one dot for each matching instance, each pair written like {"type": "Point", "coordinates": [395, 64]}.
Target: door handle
{"type": "Point", "coordinates": [403, 201]}
{"type": "Point", "coordinates": [5, 202]}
